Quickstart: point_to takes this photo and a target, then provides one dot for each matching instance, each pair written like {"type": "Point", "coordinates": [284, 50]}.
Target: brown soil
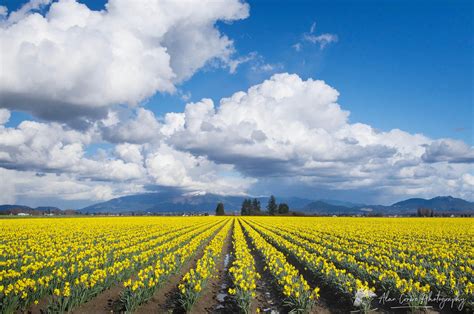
{"type": "Point", "coordinates": [268, 297]}
{"type": "Point", "coordinates": [208, 301]}
{"type": "Point", "coordinates": [271, 299]}
{"type": "Point", "coordinates": [39, 308]}
{"type": "Point", "coordinates": [329, 301]}
{"type": "Point", "coordinates": [166, 299]}
{"type": "Point", "coordinates": [332, 301]}
{"type": "Point", "coordinates": [105, 302]}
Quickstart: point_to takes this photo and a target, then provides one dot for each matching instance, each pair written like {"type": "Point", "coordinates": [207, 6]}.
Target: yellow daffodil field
{"type": "Point", "coordinates": [236, 264]}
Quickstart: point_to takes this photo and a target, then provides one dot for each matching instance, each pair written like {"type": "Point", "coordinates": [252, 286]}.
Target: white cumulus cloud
{"type": "Point", "coordinates": [170, 167]}
{"type": "Point", "coordinates": [285, 131]}
{"type": "Point", "coordinates": [4, 116]}
{"type": "Point", "coordinates": [73, 62]}
{"type": "Point", "coordinates": [449, 150]}
{"type": "Point", "coordinates": [289, 127]}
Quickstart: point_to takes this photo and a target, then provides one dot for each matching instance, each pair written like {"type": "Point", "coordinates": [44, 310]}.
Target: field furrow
{"type": "Point", "coordinates": [299, 296]}
{"type": "Point", "coordinates": [141, 286]}
{"type": "Point", "coordinates": [195, 280]}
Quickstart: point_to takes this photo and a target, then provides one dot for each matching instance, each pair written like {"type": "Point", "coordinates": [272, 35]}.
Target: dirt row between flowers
{"type": "Point", "coordinates": [331, 300]}
{"type": "Point", "coordinates": [267, 288]}
{"type": "Point", "coordinates": [109, 300]}
{"type": "Point", "coordinates": [166, 300]}
{"type": "Point", "coordinates": [268, 297]}
{"type": "Point", "coordinates": [214, 297]}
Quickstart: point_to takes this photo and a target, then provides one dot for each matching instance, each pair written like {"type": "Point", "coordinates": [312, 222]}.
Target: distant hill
{"type": "Point", "coordinates": [323, 208]}
{"type": "Point", "coordinates": [170, 202]}
{"type": "Point", "coordinates": [439, 203]}
{"type": "Point", "coordinates": [38, 211]}
{"type": "Point", "coordinates": [46, 208]}
{"type": "Point", "coordinates": [8, 207]}
{"type": "Point", "coordinates": [342, 203]}
{"type": "Point", "coordinates": [165, 203]}
{"type": "Point", "coordinates": [176, 202]}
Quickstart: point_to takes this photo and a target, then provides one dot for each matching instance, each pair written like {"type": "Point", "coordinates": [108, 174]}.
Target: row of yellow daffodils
{"type": "Point", "coordinates": [369, 271]}
{"type": "Point", "coordinates": [105, 276]}
{"type": "Point", "coordinates": [243, 272]}
{"type": "Point", "coordinates": [300, 297]}
{"type": "Point", "coordinates": [411, 259]}
{"type": "Point", "coordinates": [415, 256]}
{"type": "Point", "coordinates": [171, 257]}
{"type": "Point", "coordinates": [193, 281]}
{"type": "Point", "coordinates": [69, 261]}
{"type": "Point", "coordinates": [340, 279]}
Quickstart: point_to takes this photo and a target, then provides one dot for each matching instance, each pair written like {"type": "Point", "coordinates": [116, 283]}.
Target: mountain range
{"type": "Point", "coordinates": [174, 202]}
{"type": "Point", "coordinates": [440, 204]}
{"type": "Point", "coordinates": [15, 209]}
{"type": "Point", "coordinates": [169, 202]}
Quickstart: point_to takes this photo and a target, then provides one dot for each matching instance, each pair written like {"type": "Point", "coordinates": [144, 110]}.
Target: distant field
{"type": "Point", "coordinates": [229, 264]}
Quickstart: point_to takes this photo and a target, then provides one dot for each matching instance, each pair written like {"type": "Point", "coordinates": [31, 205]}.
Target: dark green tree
{"type": "Point", "coordinates": [255, 207]}
{"type": "Point", "coordinates": [220, 209]}
{"type": "Point", "coordinates": [272, 206]}
{"type": "Point", "coordinates": [246, 207]}
{"type": "Point", "coordinates": [425, 212]}
{"type": "Point", "coordinates": [283, 208]}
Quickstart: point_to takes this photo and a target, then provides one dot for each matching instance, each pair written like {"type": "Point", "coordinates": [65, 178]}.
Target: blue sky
{"type": "Point", "coordinates": [396, 65]}
{"type": "Point", "coordinates": [401, 64]}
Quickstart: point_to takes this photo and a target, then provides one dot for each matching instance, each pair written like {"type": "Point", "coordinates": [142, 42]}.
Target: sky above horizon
{"type": "Point", "coordinates": [363, 101]}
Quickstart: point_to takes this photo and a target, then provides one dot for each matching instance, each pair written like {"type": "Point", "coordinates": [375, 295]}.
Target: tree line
{"type": "Point", "coordinates": [252, 207]}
